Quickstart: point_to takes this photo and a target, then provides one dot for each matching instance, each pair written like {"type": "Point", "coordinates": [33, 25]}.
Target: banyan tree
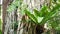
{"type": "Point", "coordinates": [26, 17]}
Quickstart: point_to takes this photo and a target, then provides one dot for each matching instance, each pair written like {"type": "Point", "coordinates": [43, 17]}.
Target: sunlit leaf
{"type": "Point", "coordinates": [31, 16]}
{"type": "Point", "coordinates": [36, 12]}
{"type": "Point", "coordinates": [43, 10]}
{"type": "Point", "coordinates": [40, 19]}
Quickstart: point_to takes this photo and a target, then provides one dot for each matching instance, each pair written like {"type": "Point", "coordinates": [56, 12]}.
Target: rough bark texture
{"type": "Point", "coordinates": [9, 19]}
{"type": "Point", "coordinates": [5, 3]}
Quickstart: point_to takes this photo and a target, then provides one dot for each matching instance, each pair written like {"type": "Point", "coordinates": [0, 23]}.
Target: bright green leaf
{"type": "Point", "coordinates": [31, 16]}
{"type": "Point", "coordinates": [40, 19]}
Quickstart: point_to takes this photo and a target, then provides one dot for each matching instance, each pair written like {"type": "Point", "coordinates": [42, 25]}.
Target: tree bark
{"type": "Point", "coordinates": [4, 7]}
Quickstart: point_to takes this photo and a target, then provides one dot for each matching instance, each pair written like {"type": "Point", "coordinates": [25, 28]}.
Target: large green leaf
{"type": "Point", "coordinates": [31, 16]}
{"type": "Point", "coordinates": [41, 14]}
{"type": "Point", "coordinates": [43, 11]}
{"type": "Point", "coordinates": [36, 13]}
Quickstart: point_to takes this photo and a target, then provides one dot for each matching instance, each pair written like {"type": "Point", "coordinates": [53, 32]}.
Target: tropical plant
{"type": "Point", "coordinates": [42, 16]}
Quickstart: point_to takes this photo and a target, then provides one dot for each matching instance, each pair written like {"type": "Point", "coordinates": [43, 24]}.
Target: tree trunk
{"type": "Point", "coordinates": [4, 7]}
